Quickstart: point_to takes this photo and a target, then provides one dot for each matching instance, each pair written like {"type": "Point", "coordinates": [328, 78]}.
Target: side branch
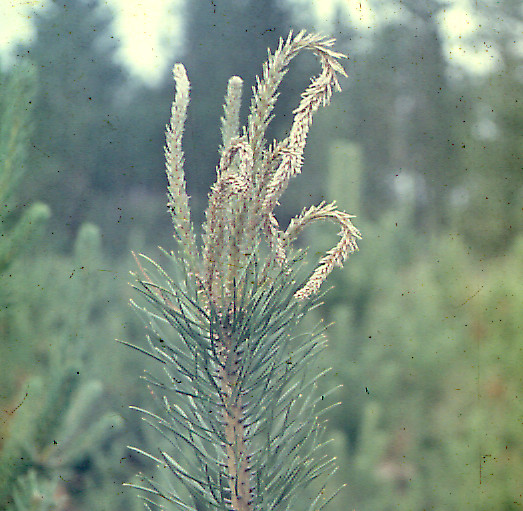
{"type": "Point", "coordinates": [334, 257]}
{"type": "Point", "coordinates": [178, 200]}
{"type": "Point", "coordinates": [318, 94]}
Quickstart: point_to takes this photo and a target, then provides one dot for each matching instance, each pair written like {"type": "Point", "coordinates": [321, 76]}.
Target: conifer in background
{"type": "Point", "coordinates": [430, 326]}
{"type": "Point", "coordinates": [57, 424]}
{"type": "Point", "coordinates": [73, 52]}
{"type": "Point", "coordinates": [16, 225]}
{"type": "Point", "coordinates": [55, 421]}
{"type": "Point", "coordinates": [239, 412]}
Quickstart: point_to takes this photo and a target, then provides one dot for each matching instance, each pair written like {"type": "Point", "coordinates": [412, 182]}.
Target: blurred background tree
{"type": "Point", "coordinates": [427, 153]}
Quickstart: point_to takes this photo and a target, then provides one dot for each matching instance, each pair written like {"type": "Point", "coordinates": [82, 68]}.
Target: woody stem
{"type": "Point", "coordinates": [237, 461]}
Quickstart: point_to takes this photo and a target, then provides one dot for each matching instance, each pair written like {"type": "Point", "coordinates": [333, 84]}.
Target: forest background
{"type": "Point", "coordinates": [426, 339]}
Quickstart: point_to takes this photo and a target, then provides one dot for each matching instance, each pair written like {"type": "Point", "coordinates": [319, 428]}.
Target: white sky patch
{"type": "Point", "coordinates": [458, 21]}
{"type": "Point", "coordinates": [15, 23]}
{"type": "Point", "coordinates": [460, 25]}
{"type": "Point", "coordinates": [478, 58]}
{"type": "Point", "coordinates": [148, 31]}
{"type": "Point", "coordinates": [360, 12]}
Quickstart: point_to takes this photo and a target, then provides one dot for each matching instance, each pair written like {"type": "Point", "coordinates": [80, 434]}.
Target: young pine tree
{"type": "Point", "coordinates": [239, 411]}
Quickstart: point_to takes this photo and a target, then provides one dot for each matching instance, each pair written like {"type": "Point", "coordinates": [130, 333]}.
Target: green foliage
{"type": "Point", "coordinates": [53, 428]}
{"type": "Point", "coordinates": [490, 156]}
{"type": "Point", "coordinates": [425, 342]}
{"type": "Point", "coordinates": [17, 96]}
{"type": "Point", "coordinates": [32, 494]}
{"type": "Point", "coordinates": [16, 227]}
{"type": "Point", "coordinates": [57, 422]}
{"type": "Point", "coordinates": [274, 384]}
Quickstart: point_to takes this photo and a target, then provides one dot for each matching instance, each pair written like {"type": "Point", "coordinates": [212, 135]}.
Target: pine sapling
{"type": "Point", "coordinates": [237, 402]}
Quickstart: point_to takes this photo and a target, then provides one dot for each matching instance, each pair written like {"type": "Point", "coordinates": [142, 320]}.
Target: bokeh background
{"type": "Point", "coordinates": [424, 145]}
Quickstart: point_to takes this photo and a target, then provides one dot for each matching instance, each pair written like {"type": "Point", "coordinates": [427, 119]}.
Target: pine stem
{"type": "Point", "coordinates": [236, 449]}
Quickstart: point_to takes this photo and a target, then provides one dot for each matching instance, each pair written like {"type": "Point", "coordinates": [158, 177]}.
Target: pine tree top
{"type": "Point", "coordinates": [252, 176]}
